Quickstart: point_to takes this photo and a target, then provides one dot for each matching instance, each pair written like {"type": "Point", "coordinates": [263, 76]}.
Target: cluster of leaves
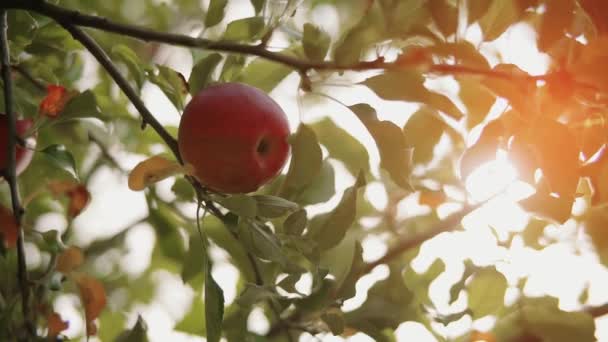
{"type": "Point", "coordinates": [552, 130]}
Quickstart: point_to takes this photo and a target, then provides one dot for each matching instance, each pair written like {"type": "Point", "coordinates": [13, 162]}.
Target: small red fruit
{"type": "Point", "coordinates": [234, 136]}
{"type": "Point", "coordinates": [23, 155]}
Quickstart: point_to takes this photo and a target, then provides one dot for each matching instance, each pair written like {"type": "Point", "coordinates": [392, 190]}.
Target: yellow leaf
{"type": "Point", "coordinates": [153, 170]}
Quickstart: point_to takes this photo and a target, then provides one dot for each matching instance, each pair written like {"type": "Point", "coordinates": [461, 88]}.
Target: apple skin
{"type": "Point", "coordinates": [23, 155]}
{"type": "Point", "coordinates": [234, 136]}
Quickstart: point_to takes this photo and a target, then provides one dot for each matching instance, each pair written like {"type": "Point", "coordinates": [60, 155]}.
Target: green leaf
{"type": "Point", "coordinates": [419, 283]}
{"type": "Point", "coordinates": [260, 241]}
{"type": "Point", "coordinates": [422, 133]}
{"type": "Point", "coordinates": [127, 56]}
{"type": "Point", "coordinates": [137, 334]}
{"type": "Point", "coordinates": [315, 42]}
{"type": "Point", "coordinates": [464, 53]}
{"type": "Point", "coordinates": [166, 225]}
{"type": "Point", "coordinates": [339, 259]}
{"type": "Point", "coordinates": [409, 86]}
{"type": "Point", "coordinates": [321, 189]}
{"type": "Point", "coordinates": [469, 269]}
{"type": "Point", "coordinates": [202, 72]}
{"type": "Point", "coordinates": [246, 29]}
{"type": "Point", "coordinates": [242, 205]}
{"type": "Point", "coordinates": [348, 289]}
{"type": "Point", "coordinates": [477, 99]}
{"type": "Point", "coordinates": [253, 294]}
{"type": "Point", "coordinates": [335, 226]}
{"type": "Point", "coordinates": [370, 29]}
{"type": "Point", "coordinates": [498, 18]}
{"type": "Point", "coordinates": [533, 232]}
{"type": "Point", "coordinates": [395, 156]}
{"type": "Point", "coordinates": [483, 150]}
{"type": "Point", "coordinates": [258, 5]}
{"type": "Point", "coordinates": [232, 68]}
{"type": "Point", "coordinates": [544, 321]}
{"type": "Point", "coordinates": [342, 146]}
{"type": "Point", "coordinates": [289, 283]}
{"type": "Point", "coordinates": [305, 159]}
{"type": "Point", "coordinates": [220, 232]}
{"type": "Point", "coordinates": [194, 321]}
{"type": "Point", "coordinates": [487, 292]}
{"type": "Point", "coordinates": [389, 303]}
{"type": "Point", "coordinates": [295, 223]}
{"type": "Point", "coordinates": [183, 190]}
{"type": "Point", "coordinates": [214, 306]}
{"type": "Point", "coordinates": [193, 263]}
{"type": "Point", "coordinates": [273, 206]}
{"type": "Point", "coordinates": [215, 12]}
{"type": "Point", "coordinates": [264, 74]}
{"type": "Point", "coordinates": [83, 105]}
{"type": "Point", "coordinates": [172, 84]}
{"type": "Point", "coordinates": [50, 38]}
{"type": "Point", "coordinates": [61, 157]}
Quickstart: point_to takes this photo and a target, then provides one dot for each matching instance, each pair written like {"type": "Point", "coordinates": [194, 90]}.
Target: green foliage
{"type": "Point", "coordinates": [307, 224]}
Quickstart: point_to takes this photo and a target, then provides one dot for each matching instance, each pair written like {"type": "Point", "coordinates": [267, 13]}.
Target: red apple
{"type": "Point", "coordinates": [234, 136]}
{"type": "Point", "coordinates": [23, 154]}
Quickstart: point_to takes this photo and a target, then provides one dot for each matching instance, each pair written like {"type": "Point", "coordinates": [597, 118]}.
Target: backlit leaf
{"type": "Point", "coordinates": [486, 292]}
{"type": "Point", "coordinates": [273, 206]}
{"type": "Point", "coordinates": [214, 307]}
{"type": "Point", "coordinates": [171, 83]}
{"type": "Point", "coordinates": [409, 86]}
{"type": "Point", "coordinates": [245, 29]}
{"type": "Point", "coordinates": [321, 189]}
{"type": "Point", "coordinates": [61, 157]}
{"type": "Point", "coordinates": [202, 72]}
{"type": "Point", "coordinates": [139, 332]}
{"type": "Point", "coordinates": [341, 145]}
{"type": "Point", "coordinates": [305, 160]}
{"type": "Point", "coordinates": [134, 64]}
{"type": "Point", "coordinates": [295, 223]}
{"type": "Point", "coordinates": [335, 226]}
{"type": "Point", "coordinates": [395, 156]}
{"type": "Point", "coordinates": [315, 42]}
{"type": "Point", "coordinates": [241, 205]}
{"type": "Point", "coordinates": [215, 12]}
{"type": "Point", "coordinates": [422, 132]}
{"type": "Point", "coordinates": [194, 259]}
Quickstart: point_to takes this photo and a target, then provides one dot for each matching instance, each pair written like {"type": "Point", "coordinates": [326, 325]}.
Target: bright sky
{"type": "Point", "coordinates": [114, 206]}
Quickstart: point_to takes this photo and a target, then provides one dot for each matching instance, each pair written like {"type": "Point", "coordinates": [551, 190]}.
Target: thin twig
{"type": "Point", "coordinates": [122, 83]}
{"type": "Point", "coordinates": [72, 17]}
{"type": "Point", "coordinates": [449, 224]}
{"type": "Point", "coordinates": [597, 311]}
{"type": "Point", "coordinates": [10, 172]}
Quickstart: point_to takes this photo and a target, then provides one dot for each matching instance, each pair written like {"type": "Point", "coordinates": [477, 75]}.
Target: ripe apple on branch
{"type": "Point", "coordinates": [232, 138]}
